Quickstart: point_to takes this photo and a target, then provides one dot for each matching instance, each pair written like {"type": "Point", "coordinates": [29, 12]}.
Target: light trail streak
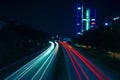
{"type": "Point", "coordinates": [74, 66]}
{"type": "Point", "coordinates": [53, 54]}
{"type": "Point", "coordinates": [80, 67]}
{"type": "Point", "coordinates": [92, 67]}
{"type": "Point", "coordinates": [95, 73]}
{"type": "Point", "coordinates": [26, 68]}
{"type": "Point", "coordinates": [99, 74]}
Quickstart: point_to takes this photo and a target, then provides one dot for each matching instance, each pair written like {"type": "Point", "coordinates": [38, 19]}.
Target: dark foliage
{"type": "Point", "coordinates": [103, 37]}
{"type": "Point", "coordinates": [18, 41]}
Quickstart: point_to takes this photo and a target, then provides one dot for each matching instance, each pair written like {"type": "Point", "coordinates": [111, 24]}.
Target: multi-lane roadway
{"type": "Point", "coordinates": [78, 67]}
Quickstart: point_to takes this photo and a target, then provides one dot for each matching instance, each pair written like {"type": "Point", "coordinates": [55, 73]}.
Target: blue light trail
{"type": "Point", "coordinates": [38, 65]}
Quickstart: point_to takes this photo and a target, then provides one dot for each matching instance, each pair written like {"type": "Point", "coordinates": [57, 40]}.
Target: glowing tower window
{"type": "Point", "coordinates": [79, 8]}
{"type": "Point", "coordinates": [87, 19]}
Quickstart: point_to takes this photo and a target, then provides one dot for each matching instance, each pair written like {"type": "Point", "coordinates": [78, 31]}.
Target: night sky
{"type": "Point", "coordinates": [54, 16]}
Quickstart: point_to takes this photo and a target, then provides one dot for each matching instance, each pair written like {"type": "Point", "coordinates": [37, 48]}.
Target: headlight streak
{"type": "Point", "coordinates": [53, 53]}
{"type": "Point", "coordinates": [29, 65]}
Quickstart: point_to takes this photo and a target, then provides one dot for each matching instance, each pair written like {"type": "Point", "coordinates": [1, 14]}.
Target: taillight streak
{"type": "Point", "coordinates": [99, 74]}
{"type": "Point", "coordinates": [93, 68]}
{"type": "Point", "coordinates": [78, 74]}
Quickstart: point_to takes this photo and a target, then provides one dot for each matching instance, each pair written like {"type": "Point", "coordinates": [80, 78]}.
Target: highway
{"type": "Point", "coordinates": [60, 62]}
{"type": "Point", "coordinates": [79, 67]}
{"type": "Point", "coordinates": [39, 67]}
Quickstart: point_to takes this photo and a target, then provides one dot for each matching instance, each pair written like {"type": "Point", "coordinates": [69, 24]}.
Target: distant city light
{"type": "Point", "coordinates": [91, 26]}
{"type": "Point", "coordinates": [84, 19]}
{"type": "Point", "coordinates": [92, 19]}
{"type": "Point", "coordinates": [106, 24]}
{"type": "Point", "coordinates": [93, 23]}
{"type": "Point", "coordinates": [79, 33]}
{"type": "Point", "coordinates": [82, 30]}
{"type": "Point", "coordinates": [78, 24]}
{"type": "Point", "coordinates": [79, 8]}
{"type": "Point", "coordinates": [116, 18]}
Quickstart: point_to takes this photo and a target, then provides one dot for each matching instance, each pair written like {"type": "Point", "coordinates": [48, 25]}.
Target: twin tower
{"type": "Point", "coordinates": [85, 18]}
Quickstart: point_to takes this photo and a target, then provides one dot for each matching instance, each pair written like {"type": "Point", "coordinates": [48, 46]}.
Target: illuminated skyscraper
{"type": "Point", "coordinates": [79, 16]}
{"type": "Point", "coordinates": [85, 18]}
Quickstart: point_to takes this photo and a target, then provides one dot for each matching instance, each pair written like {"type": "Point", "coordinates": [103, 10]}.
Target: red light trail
{"type": "Point", "coordinates": [72, 52]}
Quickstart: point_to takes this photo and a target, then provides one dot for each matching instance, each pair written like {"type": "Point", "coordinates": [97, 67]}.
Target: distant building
{"type": "Point", "coordinates": [85, 18]}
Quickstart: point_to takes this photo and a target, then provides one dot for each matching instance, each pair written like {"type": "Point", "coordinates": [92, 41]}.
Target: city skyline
{"type": "Point", "coordinates": [51, 15]}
